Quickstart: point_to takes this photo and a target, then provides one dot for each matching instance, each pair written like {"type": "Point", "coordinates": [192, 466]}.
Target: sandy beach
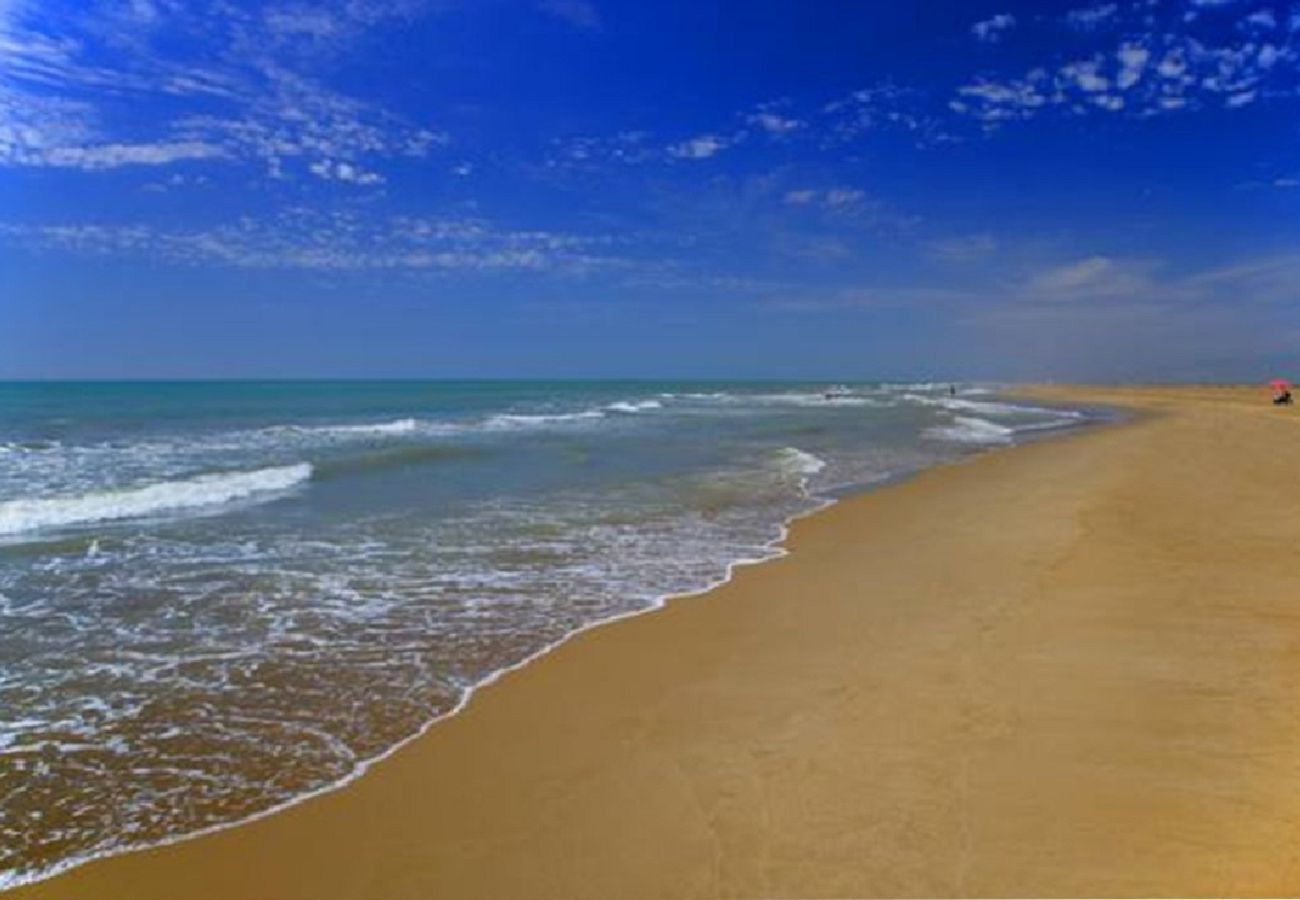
{"type": "Point", "coordinates": [1064, 669]}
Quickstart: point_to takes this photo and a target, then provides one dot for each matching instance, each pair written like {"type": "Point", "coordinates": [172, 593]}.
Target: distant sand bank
{"type": "Point", "coordinates": [1069, 668]}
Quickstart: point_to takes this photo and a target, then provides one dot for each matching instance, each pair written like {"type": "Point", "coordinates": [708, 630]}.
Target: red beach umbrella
{"type": "Point", "coordinates": [1279, 385]}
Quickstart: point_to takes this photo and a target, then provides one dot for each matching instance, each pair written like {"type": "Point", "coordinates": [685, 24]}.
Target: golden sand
{"type": "Point", "coordinates": [1071, 669]}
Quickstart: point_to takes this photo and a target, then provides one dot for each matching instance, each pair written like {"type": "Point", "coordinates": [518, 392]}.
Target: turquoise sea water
{"type": "Point", "coordinates": [216, 598]}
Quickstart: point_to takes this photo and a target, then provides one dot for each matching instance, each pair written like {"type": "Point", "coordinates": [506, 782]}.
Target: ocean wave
{"type": "Point", "coordinates": [822, 401]}
{"type": "Point", "coordinates": [34, 514]}
{"type": "Point", "coordinates": [972, 430]}
{"type": "Point", "coordinates": [397, 426]}
{"type": "Point", "coordinates": [799, 462]}
{"type": "Point", "coordinates": [32, 446]}
{"type": "Point", "coordinates": [395, 457]}
{"type": "Point", "coordinates": [990, 407]}
{"type": "Point", "coordinates": [519, 420]}
{"type": "Point", "coordinates": [1065, 420]}
{"type": "Point", "coordinates": [819, 399]}
{"type": "Point", "coordinates": [908, 386]}
{"type": "Point", "coordinates": [634, 406]}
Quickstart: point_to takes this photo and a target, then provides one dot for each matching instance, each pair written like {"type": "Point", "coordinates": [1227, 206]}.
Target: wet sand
{"type": "Point", "coordinates": [1066, 669]}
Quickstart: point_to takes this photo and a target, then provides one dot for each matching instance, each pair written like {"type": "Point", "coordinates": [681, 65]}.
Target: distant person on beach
{"type": "Point", "coordinates": [952, 390]}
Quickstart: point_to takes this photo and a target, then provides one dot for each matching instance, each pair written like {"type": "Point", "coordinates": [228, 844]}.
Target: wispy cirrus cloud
{"type": "Point", "coordinates": [252, 93]}
{"type": "Point", "coordinates": [1118, 317]}
{"type": "Point", "coordinates": [1098, 281]}
{"type": "Point", "coordinates": [1093, 278]}
{"type": "Point", "coordinates": [304, 239]}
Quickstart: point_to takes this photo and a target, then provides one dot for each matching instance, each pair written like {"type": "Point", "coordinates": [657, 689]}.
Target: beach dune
{"type": "Point", "coordinates": [1069, 668]}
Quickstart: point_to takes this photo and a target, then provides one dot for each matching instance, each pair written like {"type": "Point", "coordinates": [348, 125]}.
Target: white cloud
{"type": "Point", "coordinates": [337, 170]}
{"type": "Point", "coordinates": [1090, 18]}
{"type": "Point", "coordinates": [1094, 278]}
{"type": "Point", "coordinates": [702, 147]}
{"type": "Point", "coordinates": [994, 102]}
{"type": "Point", "coordinates": [993, 29]}
{"type": "Point", "coordinates": [1174, 64]}
{"type": "Point", "coordinates": [835, 207]}
{"type": "Point", "coordinates": [1155, 73]}
{"type": "Point", "coordinates": [622, 147]}
{"type": "Point", "coordinates": [772, 123]}
{"type": "Point", "coordinates": [1133, 60]}
{"type": "Point", "coordinates": [111, 156]}
{"type": "Point", "coordinates": [1085, 75]}
{"type": "Point", "coordinates": [882, 107]}
{"type": "Point", "coordinates": [1261, 19]}
{"type": "Point", "coordinates": [1122, 317]}
{"type": "Point", "coordinates": [292, 22]}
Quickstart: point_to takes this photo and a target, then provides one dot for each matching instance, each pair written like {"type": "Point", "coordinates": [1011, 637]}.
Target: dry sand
{"type": "Point", "coordinates": [1065, 669]}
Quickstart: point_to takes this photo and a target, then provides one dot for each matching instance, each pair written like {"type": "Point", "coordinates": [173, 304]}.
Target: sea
{"type": "Point", "coordinates": [218, 598]}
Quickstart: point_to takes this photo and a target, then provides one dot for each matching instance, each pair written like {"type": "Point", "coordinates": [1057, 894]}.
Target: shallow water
{"type": "Point", "coordinates": [217, 597]}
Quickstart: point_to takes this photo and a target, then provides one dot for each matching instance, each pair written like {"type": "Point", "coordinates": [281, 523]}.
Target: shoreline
{"type": "Point", "coordinates": [1092, 419]}
{"type": "Point", "coordinates": [287, 847]}
{"type": "Point", "coordinates": [776, 548]}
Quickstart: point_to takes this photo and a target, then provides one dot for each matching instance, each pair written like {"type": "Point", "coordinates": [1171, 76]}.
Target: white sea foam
{"type": "Point", "coordinates": [818, 399]}
{"type": "Point", "coordinates": [634, 406]}
{"type": "Point", "coordinates": [514, 420]}
{"type": "Point", "coordinates": [32, 514]}
{"type": "Point", "coordinates": [397, 426]}
{"type": "Point", "coordinates": [799, 461]}
{"type": "Point", "coordinates": [769, 546]}
{"type": "Point", "coordinates": [990, 407]}
{"type": "Point", "coordinates": [915, 386]}
{"type": "Point", "coordinates": [971, 430]}
{"type": "Point", "coordinates": [1066, 419]}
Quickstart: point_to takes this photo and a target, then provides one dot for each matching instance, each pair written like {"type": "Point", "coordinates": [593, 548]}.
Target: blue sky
{"type": "Point", "coordinates": [820, 189]}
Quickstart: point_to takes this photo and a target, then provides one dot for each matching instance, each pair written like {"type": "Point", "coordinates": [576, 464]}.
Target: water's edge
{"type": "Point", "coordinates": [1096, 417]}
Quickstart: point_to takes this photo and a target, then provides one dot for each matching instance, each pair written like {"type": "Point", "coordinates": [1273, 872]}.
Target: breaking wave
{"type": "Point", "coordinates": [634, 406]}
{"type": "Point", "coordinates": [970, 430]}
{"type": "Point", "coordinates": [34, 514]}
